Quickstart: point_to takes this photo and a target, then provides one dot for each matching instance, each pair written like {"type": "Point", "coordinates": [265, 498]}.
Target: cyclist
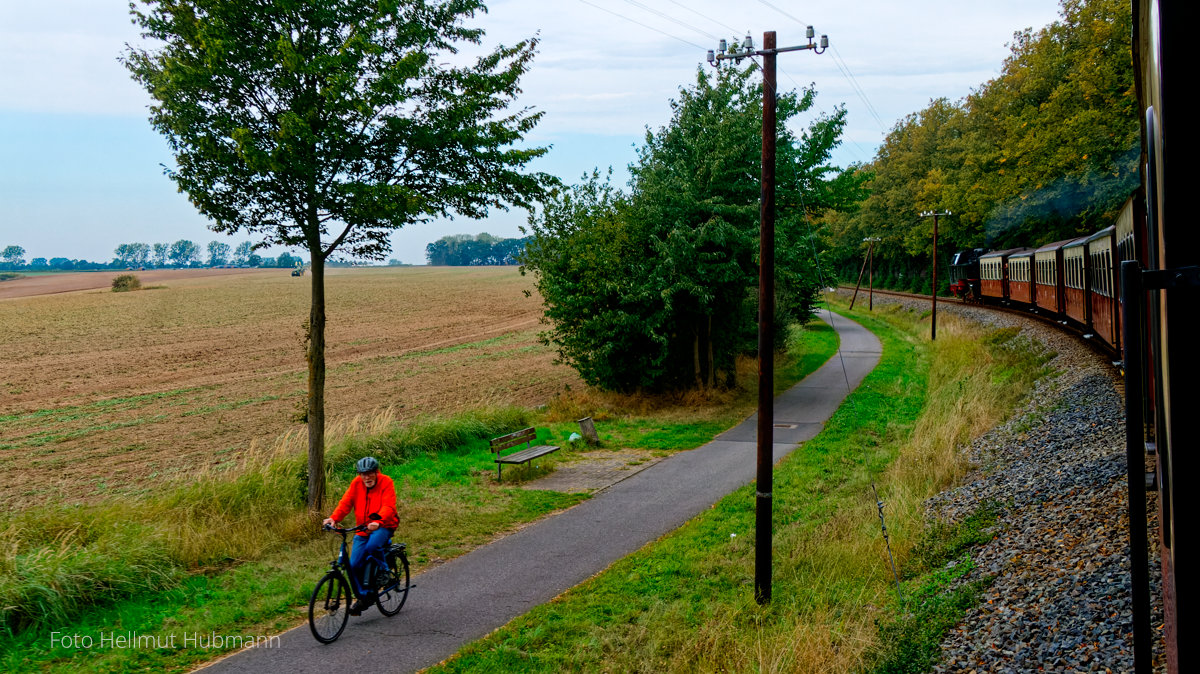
{"type": "Point", "coordinates": [372, 497]}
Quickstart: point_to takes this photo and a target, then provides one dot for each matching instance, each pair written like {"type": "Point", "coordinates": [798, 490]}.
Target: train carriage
{"type": "Point", "coordinates": [1102, 286]}
{"type": "Point", "coordinates": [1048, 277]}
{"type": "Point", "coordinates": [1021, 277]}
{"type": "Point", "coordinates": [1075, 304]}
{"type": "Point", "coordinates": [993, 273]}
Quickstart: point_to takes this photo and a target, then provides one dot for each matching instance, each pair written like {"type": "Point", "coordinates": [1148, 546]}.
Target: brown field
{"type": "Point", "coordinates": [52, 284]}
{"type": "Point", "coordinates": [111, 393]}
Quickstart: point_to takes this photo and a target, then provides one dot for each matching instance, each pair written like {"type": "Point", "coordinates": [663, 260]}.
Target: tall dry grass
{"type": "Point", "coordinates": [58, 561]}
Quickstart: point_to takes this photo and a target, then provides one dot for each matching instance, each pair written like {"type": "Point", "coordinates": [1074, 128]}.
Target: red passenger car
{"type": "Point", "coordinates": [1021, 276]}
{"type": "Point", "coordinates": [1075, 304]}
{"type": "Point", "coordinates": [1048, 277]}
{"type": "Point", "coordinates": [993, 273]}
{"type": "Point", "coordinates": [1102, 286]}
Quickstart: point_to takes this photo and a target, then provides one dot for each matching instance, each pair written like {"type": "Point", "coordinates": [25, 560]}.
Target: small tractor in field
{"type": "Point", "coordinates": [299, 270]}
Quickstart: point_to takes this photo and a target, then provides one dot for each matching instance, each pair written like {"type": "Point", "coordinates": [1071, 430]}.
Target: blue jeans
{"type": "Point", "coordinates": [364, 548]}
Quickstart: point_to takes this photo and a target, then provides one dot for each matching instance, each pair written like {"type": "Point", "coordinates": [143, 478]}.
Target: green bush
{"type": "Point", "coordinates": [125, 283]}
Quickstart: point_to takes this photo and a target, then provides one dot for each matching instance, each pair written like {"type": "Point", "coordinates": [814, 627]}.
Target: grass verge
{"type": "Point", "coordinates": [685, 602]}
{"type": "Point", "coordinates": [233, 552]}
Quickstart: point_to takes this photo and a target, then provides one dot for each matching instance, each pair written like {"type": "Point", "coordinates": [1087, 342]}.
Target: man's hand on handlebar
{"type": "Point", "coordinates": [328, 523]}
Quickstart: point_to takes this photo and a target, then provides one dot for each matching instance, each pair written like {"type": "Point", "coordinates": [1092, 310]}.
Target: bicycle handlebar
{"type": "Point", "coordinates": [346, 530]}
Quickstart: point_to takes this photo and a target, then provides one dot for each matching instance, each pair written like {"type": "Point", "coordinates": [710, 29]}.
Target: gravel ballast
{"type": "Point", "coordinates": [1059, 597]}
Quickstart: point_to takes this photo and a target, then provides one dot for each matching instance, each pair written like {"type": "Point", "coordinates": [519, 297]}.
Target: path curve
{"type": "Point", "coordinates": [470, 596]}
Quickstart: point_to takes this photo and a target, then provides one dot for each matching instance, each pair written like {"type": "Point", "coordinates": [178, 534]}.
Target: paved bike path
{"type": "Point", "coordinates": [469, 597]}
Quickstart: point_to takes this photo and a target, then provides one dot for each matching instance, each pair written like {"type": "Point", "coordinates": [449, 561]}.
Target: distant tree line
{"type": "Point", "coordinates": [182, 254]}
{"type": "Point", "coordinates": [464, 250]}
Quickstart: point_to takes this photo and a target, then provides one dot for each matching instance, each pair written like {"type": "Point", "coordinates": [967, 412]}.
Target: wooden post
{"type": "Point", "coordinates": [871, 277]}
{"type": "Point", "coordinates": [858, 284]}
{"type": "Point", "coordinates": [588, 430]}
{"type": "Point", "coordinates": [766, 342]}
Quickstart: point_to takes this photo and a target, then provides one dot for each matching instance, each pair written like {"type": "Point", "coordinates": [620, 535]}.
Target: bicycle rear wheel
{"type": "Point", "coordinates": [329, 608]}
{"type": "Point", "coordinates": [394, 592]}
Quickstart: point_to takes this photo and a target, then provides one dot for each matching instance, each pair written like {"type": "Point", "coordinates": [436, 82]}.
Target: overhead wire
{"type": "Point", "coordinates": [643, 25]}
{"type": "Point", "coordinates": [672, 19]}
{"type": "Point", "coordinates": [703, 16]}
{"type": "Point", "coordinates": [842, 66]}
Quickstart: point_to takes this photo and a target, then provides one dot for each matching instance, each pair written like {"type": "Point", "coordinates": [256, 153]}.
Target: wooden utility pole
{"type": "Point", "coordinates": [766, 335]}
{"type": "Point", "coordinates": [869, 258]}
{"type": "Point", "coordinates": [766, 300]}
{"type": "Point", "coordinates": [933, 321]}
{"type": "Point", "coordinates": [871, 274]}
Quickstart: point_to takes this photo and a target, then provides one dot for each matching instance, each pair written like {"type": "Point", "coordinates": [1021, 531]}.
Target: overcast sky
{"type": "Point", "coordinates": [80, 167]}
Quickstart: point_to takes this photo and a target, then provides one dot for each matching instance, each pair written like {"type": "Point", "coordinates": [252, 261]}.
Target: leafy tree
{"type": "Point", "coordinates": [184, 253]}
{"type": "Point", "coordinates": [14, 255]}
{"type": "Point", "coordinates": [61, 263]}
{"type": "Point", "coordinates": [218, 253]}
{"type": "Point", "coordinates": [328, 124]}
{"type": "Point", "coordinates": [655, 289]}
{"type": "Point", "coordinates": [132, 254]}
{"type": "Point", "coordinates": [286, 260]}
{"type": "Point", "coordinates": [241, 254]}
{"type": "Point", "coordinates": [38, 263]}
{"type": "Point", "coordinates": [161, 250]}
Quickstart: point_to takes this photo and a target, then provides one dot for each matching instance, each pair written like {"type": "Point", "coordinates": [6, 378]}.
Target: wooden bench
{"type": "Point", "coordinates": [525, 436]}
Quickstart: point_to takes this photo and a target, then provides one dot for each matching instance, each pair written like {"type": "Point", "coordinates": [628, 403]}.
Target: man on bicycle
{"type": "Point", "coordinates": [372, 497]}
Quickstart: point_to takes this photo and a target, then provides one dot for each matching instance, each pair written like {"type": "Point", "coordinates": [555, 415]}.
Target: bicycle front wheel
{"type": "Point", "coordinates": [394, 592]}
{"type": "Point", "coordinates": [329, 608]}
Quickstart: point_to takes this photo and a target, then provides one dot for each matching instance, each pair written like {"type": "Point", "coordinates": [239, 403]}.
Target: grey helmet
{"type": "Point", "coordinates": [366, 464]}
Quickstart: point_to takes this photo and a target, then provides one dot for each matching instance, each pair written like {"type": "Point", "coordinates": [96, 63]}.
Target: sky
{"type": "Point", "coordinates": [81, 170]}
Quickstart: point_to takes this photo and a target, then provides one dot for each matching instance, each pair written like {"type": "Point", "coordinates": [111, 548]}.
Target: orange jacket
{"type": "Point", "coordinates": [380, 499]}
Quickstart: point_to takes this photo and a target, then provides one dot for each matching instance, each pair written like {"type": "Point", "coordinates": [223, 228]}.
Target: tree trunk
{"type": "Point", "coordinates": [712, 364]}
{"type": "Point", "coordinates": [316, 384]}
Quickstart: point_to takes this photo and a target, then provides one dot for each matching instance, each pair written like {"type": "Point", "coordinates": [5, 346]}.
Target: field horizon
{"type": "Point", "coordinates": [116, 393]}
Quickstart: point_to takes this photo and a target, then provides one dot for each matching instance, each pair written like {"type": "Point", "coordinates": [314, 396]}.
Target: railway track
{"type": "Point", "coordinates": [1096, 345]}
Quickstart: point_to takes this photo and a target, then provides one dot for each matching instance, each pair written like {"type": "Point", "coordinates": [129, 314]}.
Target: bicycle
{"type": "Point", "coordinates": [329, 607]}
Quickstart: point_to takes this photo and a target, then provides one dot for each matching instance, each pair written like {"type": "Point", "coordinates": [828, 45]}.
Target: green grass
{"type": "Point", "coordinates": [936, 596]}
{"type": "Point", "coordinates": [199, 559]}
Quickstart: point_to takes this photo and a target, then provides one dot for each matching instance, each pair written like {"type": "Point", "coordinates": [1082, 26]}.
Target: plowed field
{"type": "Point", "coordinates": [104, 392]}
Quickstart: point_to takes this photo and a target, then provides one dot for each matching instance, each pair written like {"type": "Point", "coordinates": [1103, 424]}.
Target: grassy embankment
{"type": "Point", "coordinates": [685, 602]}
{"type": "Point", "coordinates": [234, 552]}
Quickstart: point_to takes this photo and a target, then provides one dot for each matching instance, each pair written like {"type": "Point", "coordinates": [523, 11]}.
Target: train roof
{"type": "Point", "coordinates": [1025, 252]}
{"type": "Point", "coordinates": [1004, 253]}
{"type": "Point", "coordinates": [1103, 234]}
{"type": "Point", "coordinates": [1059, 244]}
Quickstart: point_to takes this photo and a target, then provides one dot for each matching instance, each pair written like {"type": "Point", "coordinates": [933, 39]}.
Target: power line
{"type": "Point", "coordinates": [842, 66]}
{"type": "Point", "coordinates": [643, 25]}
{"type": "Point", "coordinates": [672, 19]}
{"type": "Point", "coordinates": [703, 16]}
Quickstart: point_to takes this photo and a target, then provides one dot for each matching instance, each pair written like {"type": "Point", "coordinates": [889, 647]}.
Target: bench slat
{"type": "Point", "coordinates": [513, 439]}
{"type": "Point", "coordinates": [527, 454]}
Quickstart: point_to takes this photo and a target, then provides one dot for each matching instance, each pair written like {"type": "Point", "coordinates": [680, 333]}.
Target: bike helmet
{"type": "Point", "coordinates": [366, 464]}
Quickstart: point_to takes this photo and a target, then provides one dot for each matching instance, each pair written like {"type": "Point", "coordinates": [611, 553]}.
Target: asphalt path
{"type": "Point", "coordinates": [469, 597]}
